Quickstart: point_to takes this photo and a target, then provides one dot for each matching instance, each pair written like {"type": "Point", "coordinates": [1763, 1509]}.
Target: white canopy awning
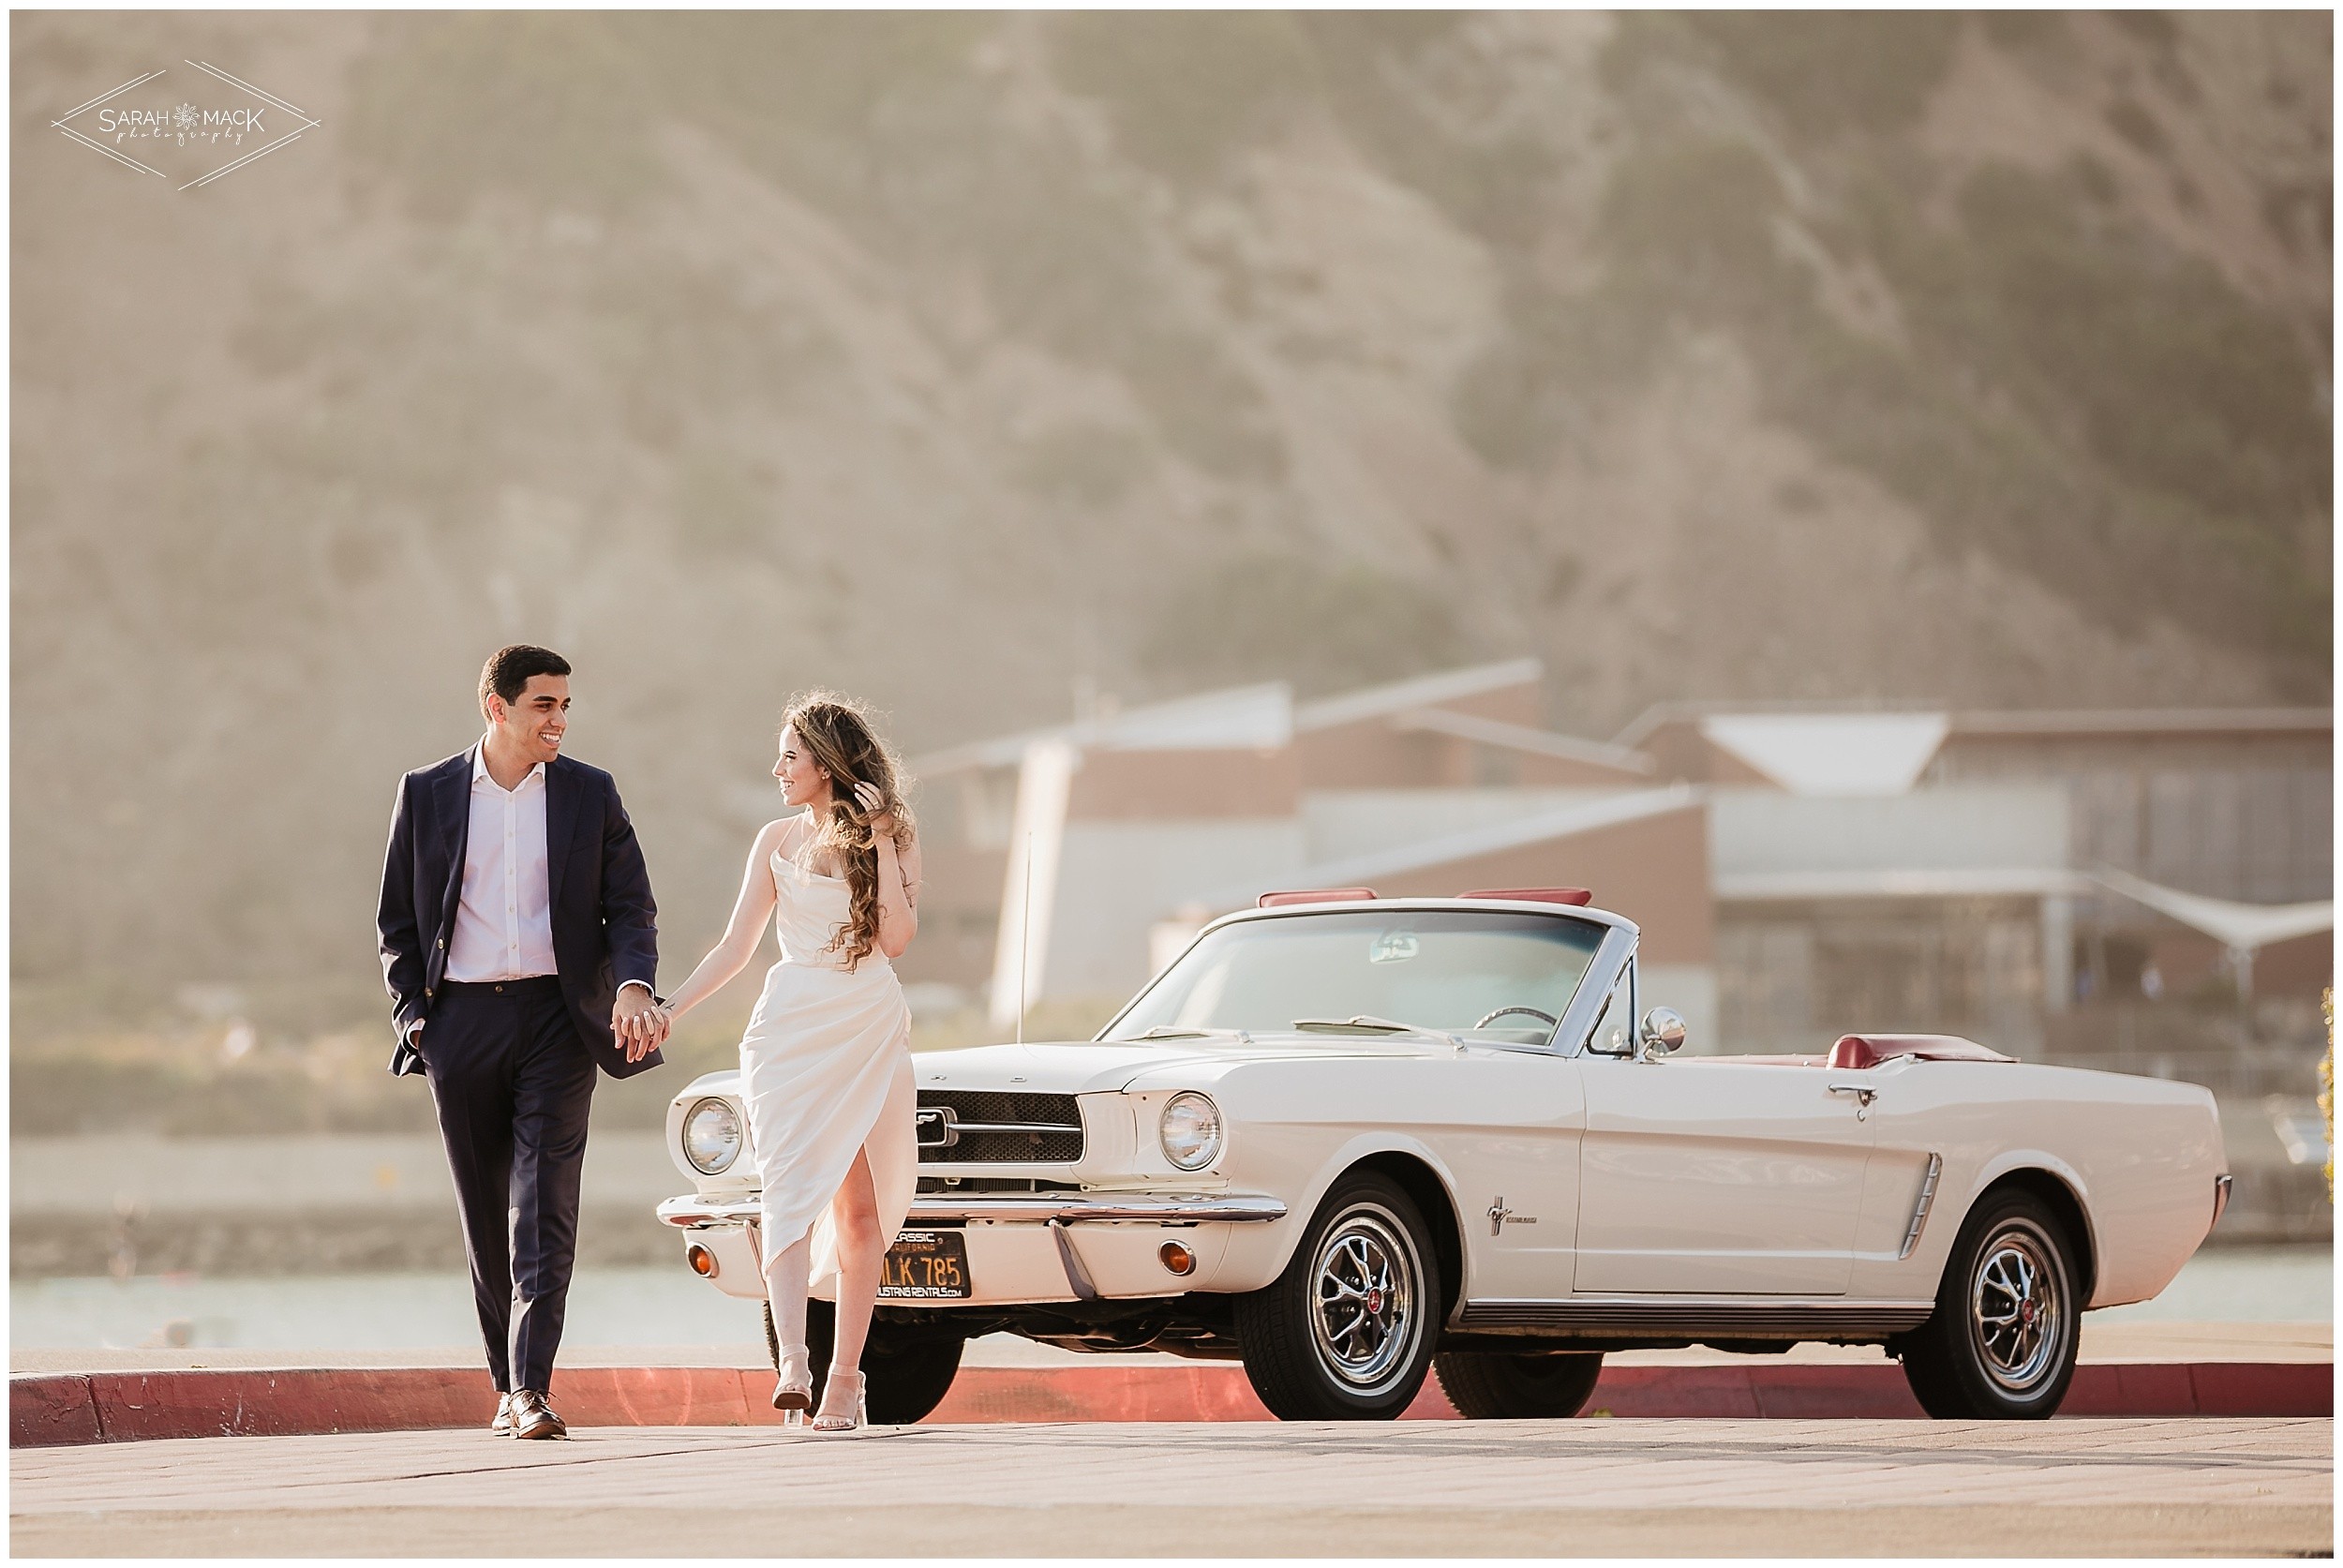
{"type": "Point", "coordinates": [2239, 927]}
{"type": "Point", "coordinates": [1832, 753]}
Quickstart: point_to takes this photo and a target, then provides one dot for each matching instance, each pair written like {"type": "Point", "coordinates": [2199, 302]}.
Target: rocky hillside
{"type": "Point", "coordinates": [960, 359]}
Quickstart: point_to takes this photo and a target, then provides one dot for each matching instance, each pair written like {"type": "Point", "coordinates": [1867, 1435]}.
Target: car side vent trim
{"type": "Point", "coordinates": [1920, 1208]}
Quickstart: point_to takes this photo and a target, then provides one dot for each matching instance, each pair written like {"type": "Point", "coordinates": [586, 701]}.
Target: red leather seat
{"type": "Point", "coordinates": [1313, 895]}
{"type": "Point", "coordinates": [1855, 1053]}
{"type": "Point", "coordinates": [1852, 1054]}
{"type": "Point", "coordinates": [1535, 895]}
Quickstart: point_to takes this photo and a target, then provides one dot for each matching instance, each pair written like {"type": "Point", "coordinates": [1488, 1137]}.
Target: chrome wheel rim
{"type": "Point", "coordinates": [1364, 1317]}
{"type": "Point", "coordinates": [2018, 1318]}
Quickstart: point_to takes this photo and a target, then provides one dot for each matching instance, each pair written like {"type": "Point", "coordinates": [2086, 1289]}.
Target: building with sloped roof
{"type": "Point", "coordinates": [1071, 856]}
{"type": "Point", "coordinates": [1799, 869]}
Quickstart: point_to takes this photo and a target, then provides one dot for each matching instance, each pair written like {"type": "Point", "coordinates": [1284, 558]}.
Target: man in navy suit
{"type": "Point", "coordinates": [519, 944]}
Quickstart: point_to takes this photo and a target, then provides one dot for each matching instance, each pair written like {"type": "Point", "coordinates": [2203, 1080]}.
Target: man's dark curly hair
{"type": "Point", "coordinates": [508, 671]}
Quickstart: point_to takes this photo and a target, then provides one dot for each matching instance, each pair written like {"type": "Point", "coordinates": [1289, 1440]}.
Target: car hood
{"type": "Point", "coordinates": [1094, 1067]}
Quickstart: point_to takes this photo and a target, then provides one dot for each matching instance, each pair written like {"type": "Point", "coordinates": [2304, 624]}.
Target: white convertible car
{"type": "Point", "coordinates": [1348, 1140]}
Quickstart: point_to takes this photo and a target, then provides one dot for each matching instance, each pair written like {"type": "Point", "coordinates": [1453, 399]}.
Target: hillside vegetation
{"type": "Point", "coordinates": [959, 359]}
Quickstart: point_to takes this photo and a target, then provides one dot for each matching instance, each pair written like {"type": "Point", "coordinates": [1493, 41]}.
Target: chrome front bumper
{"type": "Point", "coordinates": [1039, 1208]}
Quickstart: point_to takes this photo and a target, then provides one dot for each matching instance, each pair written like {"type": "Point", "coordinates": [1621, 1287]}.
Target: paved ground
{"type": "Point", "coordinates": [1486, 1489]}
{"type": "Point", "coordinates": [2102, 1340]}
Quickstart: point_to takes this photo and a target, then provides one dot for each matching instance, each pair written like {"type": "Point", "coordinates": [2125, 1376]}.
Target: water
{"type": "Point", "coordinates": [2243, 1285]}
{"type": "Point", "coordinates": [667, 1307]}
{"type": "Point", "coordinates": [671, 1307]}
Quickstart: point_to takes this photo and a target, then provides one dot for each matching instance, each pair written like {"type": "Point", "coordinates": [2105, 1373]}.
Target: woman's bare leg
{"type": "Point", "coordinates": [787, 1275]}
{"type": "Point", "coordinates": [854, 1213]}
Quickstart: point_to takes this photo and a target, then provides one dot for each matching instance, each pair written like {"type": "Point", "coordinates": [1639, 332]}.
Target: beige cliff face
{"type": "Point", "coordinates": [969, 362]}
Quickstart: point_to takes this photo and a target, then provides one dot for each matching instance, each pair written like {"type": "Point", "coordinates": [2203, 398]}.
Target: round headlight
{"type": "Point", "coordinates": [712, 1137]}
{"type": "Point", "coordinates": [1190, 1132]}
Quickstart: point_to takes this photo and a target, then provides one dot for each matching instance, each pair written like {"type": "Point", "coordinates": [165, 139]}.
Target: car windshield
{"type": "Point", "coordinates": [1441, 969]}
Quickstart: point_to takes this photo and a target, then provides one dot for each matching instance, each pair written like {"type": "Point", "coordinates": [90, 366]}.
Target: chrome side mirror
{"type": "Point", "coordinates": [1663, 1034]}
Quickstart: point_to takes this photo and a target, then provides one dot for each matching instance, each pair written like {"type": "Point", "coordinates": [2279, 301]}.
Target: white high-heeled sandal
{"type": "Point", "coordinates": [839, 1420]}
{"type": "Point", "coordinates": [793, 1394]}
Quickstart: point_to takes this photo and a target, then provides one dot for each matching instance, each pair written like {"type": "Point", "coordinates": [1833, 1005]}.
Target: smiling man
{"type": "Point", "coordinates": [518, 934]}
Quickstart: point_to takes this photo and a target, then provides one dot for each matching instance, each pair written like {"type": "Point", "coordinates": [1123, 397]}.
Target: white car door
{"type": "Point", "coordinates": [1712, 1177]}
{"type": "Point", "coordinates": [1511, 1149]}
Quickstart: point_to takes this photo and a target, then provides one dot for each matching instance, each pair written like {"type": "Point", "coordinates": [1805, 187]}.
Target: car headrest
{"type": "Point", "coordinates": [1535, 895]}
{"type": "Point", "coordinates": [1313, 895]}
{"type": "Point", "coordinates": [1855, 1051]}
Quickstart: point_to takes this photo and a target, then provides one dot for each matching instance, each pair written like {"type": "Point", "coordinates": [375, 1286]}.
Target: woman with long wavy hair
{"type": "Point", "coordinates": [826, 1062]}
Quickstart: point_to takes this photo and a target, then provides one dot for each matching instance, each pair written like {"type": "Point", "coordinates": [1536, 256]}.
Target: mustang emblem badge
{"type": "Point", "coordinates": [935, 1127]}
{"type": "Point", "coordinates": [1498, 1211]}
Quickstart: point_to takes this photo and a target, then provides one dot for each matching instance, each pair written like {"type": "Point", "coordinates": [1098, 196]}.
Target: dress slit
{"type": "Point", "coordinates": [826, 1075]}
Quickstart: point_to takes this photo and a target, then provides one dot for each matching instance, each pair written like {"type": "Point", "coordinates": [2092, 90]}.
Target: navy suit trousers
{"type": "Point", "coordinates": [513, 1085]}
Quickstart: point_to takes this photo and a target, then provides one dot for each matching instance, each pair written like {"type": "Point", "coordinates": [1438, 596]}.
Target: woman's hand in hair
{"type": "Point", "coordinates": [872, 800]}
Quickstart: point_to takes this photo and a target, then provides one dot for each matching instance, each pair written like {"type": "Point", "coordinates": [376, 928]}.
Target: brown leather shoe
{"type": "Point", "coordinates": [502, 1424]}
{"type": "Point", "coordinates": [533, 1418]}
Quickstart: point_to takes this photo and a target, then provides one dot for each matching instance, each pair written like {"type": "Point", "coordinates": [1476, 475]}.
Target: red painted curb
{"type": "Point", "coordinates": [49, 1409]}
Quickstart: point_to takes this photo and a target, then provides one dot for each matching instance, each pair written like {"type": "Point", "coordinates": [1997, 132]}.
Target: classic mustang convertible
{"type": "Point", "coordinates": [1348, 1140]}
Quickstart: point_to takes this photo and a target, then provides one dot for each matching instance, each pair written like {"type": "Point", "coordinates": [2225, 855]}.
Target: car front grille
{"type": "Point", "coordinates": [974, 1186]}
{"type": "Point", "coordinates": [977, 1126]}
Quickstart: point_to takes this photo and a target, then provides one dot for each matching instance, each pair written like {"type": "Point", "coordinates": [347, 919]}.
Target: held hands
{"type": "Point", "coordinates": [640, 1024]}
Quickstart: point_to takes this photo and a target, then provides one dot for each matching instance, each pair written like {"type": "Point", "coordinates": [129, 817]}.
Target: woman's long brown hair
{"type": "Point", "coordinates": [838, 735]}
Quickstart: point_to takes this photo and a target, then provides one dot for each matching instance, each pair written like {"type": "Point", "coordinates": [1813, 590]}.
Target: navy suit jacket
{"type": "Point", "coordinates": [604, 925]}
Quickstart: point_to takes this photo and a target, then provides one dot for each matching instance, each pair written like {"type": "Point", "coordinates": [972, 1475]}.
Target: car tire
{"type": "Point", "coordinates": [1498, 1386]}
{"type": "Point", "coordinates": [905, 1372]}
{"type": "Point", "coordinates": [1308, 1351]}
{"type": "Point", "coordinates": [2001, 1344]}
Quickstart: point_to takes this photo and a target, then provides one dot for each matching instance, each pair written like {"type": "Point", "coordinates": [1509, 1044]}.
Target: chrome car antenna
{"type": "Point", "coordinates": [1024, 934]}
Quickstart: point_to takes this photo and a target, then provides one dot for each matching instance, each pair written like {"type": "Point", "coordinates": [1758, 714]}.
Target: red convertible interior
{"type": "Point", "coordinates": [1853, 1052]}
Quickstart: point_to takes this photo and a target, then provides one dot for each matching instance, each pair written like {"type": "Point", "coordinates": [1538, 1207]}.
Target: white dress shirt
{"type": "Point", "coordinates": [504, 917]}
{"type": "Point", "coordinates": [504, 911]}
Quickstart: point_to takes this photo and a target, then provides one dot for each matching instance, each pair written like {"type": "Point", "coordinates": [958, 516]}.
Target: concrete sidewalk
{"type": "Point", "coordinates": [1501, 1489]}
{"type": "Point", "coordinates": [2102, 1342]}
{"type": "Point", "coordinates": [51, 1409]}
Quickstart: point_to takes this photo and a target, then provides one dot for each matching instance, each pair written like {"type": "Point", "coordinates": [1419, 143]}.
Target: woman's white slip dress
{"type": "Point", "coordinates": [825, 1073]}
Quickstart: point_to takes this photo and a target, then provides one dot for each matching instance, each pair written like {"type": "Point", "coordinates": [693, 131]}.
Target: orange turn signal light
{"type": "Point", "coordinates": [703, 1262]}
{"type": "Point", "coordinates": [1176, 1257]}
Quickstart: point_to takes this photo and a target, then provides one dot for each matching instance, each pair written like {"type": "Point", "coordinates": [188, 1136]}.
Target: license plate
{"type": "Point", "coordinates": [926, 1265]}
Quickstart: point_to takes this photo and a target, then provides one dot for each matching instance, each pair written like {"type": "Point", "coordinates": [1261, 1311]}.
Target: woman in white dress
{"type": "Point", "coordinates": [826, 1064]}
